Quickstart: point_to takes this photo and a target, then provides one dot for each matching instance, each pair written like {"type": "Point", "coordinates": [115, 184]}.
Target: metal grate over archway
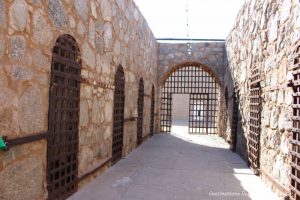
{"type": "Point", "coordinates": [140, 112]}
{"type": "Point", "coordinates": [118, 119]}
{"type": "Point", "coordinates": [62, 147]}
{"type": "Point", "coordinates": [152, 110]}
{"type": "Point", "coordinates": [204, 91]}
{"type": "Point", "coordinates": [255, 120]}
{"type": "Point", "coordinates": [295, 140]}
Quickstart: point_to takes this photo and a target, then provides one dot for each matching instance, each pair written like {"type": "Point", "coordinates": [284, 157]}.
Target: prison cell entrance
{"type": "Point", "coordinates": [62, 149]}
{"type": "Point", "coordinates": [118, 118]}
{"type": "Point", "coordinates": [199, 87]}
{"type": "Point", "coordinates": [295, 140]}
{"type": "Point", "coordinates": [140, 113]}
{"type": "Point", "coordinates": [152, 111]}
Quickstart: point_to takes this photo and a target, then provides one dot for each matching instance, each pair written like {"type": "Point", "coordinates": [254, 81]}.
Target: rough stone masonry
{"type": "Point", "coordinates": [108, 33]}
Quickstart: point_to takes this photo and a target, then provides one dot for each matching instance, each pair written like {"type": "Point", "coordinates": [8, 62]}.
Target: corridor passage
{"type": "Point", "coordinates": [178, 167]}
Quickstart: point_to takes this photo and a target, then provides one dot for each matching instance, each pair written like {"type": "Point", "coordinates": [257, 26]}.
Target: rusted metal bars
{"type": "Point", "coordinates": [152, 111]}
{"type": "Point", "coordinates": [194, 80]}
{"type": "Point", "coordinates": [255, 120]}
{"type": "Point", "coordinates": [62, 150]}
{"type": "Point", "coordinates": [118, 115]}
{"type": "Point", "coordinates": [295, 140]}
{"type": "Point", "coordinates": [140, 113]}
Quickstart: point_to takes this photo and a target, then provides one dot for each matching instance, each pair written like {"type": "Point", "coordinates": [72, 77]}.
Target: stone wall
{"type": "Point", "coordinates": [108, 33]}
{"type": "Point", "coordinates": [210, 54]}
{"type": "Point", "coordinates": [265, 36]}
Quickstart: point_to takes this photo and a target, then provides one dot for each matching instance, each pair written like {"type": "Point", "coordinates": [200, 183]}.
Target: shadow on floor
{"type": "Point", "coordinates": [169, 167]}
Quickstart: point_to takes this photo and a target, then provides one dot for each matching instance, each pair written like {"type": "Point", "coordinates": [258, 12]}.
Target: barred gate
{"type": "Point", "coordinates": [140, 113]}
{"type": "Point", "coordinates": [118, 115]}
{"type": "Point", "coordinates": [254, 122]}
{"type": "Point", "coordinates": [64, 97]}
{"type": "Point", "coordinates": [152, 111]}
{"type": "Point", "coordinates": [195, 80]}
{"type": "Point", "coordinates": [295, 141]}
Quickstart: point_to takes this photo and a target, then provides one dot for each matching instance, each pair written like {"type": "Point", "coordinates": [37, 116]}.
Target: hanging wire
{"type": "Point", "coordinates": [189, 46]}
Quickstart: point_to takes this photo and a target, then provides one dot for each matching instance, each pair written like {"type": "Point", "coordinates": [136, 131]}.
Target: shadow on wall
{"type": "Point", "coordinates": [234, 117]}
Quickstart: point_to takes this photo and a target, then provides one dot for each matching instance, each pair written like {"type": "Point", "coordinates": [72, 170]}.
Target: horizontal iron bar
{"type": "Point", "coordinates": [192, 39]}
{"type": "Point", "coordinates": [93, 171]}
{"type": "Point", "coordinates": [27, 139]}
{"type": "Point", "coordinates": [130, 119]}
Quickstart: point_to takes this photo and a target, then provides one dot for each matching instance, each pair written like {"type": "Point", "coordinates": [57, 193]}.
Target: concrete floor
{"type": "Point", "coordinates": [178, 167]}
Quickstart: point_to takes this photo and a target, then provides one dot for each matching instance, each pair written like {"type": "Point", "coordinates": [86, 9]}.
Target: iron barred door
{"type": "Point", "coordinates": [199, 114]}
{"type": "Point", "coordinates": [62, 150]}
{"type": "Point", "coordinates": [140, 113]}
{"type": "Point", "coordinates": [152, 111]}
{"type": "Point", "coordinates": [118, 123]}
{"type": "Point", "coordinates": [295, 140]}
{"type": "Point", "coordinates": [254, 122]}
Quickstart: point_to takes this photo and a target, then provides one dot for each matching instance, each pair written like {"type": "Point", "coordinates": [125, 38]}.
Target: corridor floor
{"type": "Point", "coordinates": [178, 167]}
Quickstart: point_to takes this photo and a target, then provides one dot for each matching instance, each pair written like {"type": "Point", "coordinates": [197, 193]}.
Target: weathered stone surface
{"type": "Point", "coordinates": [117, 47]}
{"type": "Point", "coordinates": [26, 48]}
{"type": "Point", "coordinates": [19, 73]}
{"type": "Point", "coordinates": [88, 55]}
{"type": "Point", "coordinates": [108, 35]}
{"type": "Point", "coordinates": [23, 180]}
{"type": "Point", "coordinates": [56, 13]}
{"type": "Point", "coordinates": [37, 2]}
{"type": "Point", "coordinates": [92, 32]}
{"type": "Point", "coordinates": [94, 9]}
{"type": "Point", "coordinates": [41, 30]}
{"type": "Point", "coordinates": [32, 111]}
{"type": "Point", "coordinates": [264, 36]}
{"type": "Point", "coordinates": [95, 111]}
{"type": "Point", "coordinates": [17, 47]}
{"type": "Point", "coordinates": [18, 15]}
{"type": "Point", "coordinates": [80, 28]}
{"type": "Point", "coordinates": [273, 28]}
{"type": "Point", "coordinates": [2, 14]}
{"type": "Point", "coordinates": [106, 9]}
{"type": "Point", "coordinates": [40, 60]}
{"type": "Point", "coordinates": [8, 116]}
{"type": "Point", "coordinates": [81, 8]}
{"type": "Point", "coordinates": [84, 113]}
{"type": "Point", "coordinates": [108, 111]}
{"type": "Point", "coordinates": [2, 47]}
{"type": "Point", "coordinates": [285, 10]}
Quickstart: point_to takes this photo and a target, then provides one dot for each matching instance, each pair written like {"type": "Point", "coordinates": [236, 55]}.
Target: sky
{"type": "Point", "coordinates": [208, 19]}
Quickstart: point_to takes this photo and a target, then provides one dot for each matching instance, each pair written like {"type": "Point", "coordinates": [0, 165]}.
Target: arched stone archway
{"type": "Point", "coordinates": [203, 88]}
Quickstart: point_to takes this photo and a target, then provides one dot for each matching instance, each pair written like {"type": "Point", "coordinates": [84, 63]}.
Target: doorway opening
{"type": "Point", "coordinates": [191, 95]}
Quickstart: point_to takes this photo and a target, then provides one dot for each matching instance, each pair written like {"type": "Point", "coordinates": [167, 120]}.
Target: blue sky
{"type": "Point", "coordinates": [208, 19]}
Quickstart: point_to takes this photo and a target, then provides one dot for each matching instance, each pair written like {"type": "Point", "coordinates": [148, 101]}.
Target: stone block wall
{"type": "Point", "coordinates": [108, 33]}
{"type": "Point", "coordinates": [265, 35]}
{"type": "Point", "coordinates": [210, 54]}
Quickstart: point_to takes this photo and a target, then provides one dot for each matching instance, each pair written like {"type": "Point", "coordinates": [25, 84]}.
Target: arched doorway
{"type": "Point", "coordinates": [64, 99]}
{"type": "Point", "coordinates": [118, 123]}
{"type": "Point", "coordinates": [140, 110]}
{"type": "Point", "coordinates": [202, 89]}
{"type": "Point", "coordinates": [152, 111]}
